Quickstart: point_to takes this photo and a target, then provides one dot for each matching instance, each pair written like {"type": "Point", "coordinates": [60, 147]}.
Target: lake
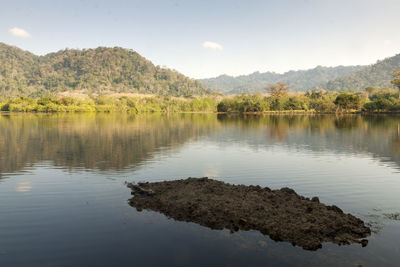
{"type": "Point", "coordinates": [63, 201]}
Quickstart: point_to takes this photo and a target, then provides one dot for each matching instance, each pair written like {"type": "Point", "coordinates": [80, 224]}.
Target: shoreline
{"type": "Point", "coordinates": [270, 112]}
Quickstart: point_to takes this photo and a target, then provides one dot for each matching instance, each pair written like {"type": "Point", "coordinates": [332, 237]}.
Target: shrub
{"type": "Point", "coordinates": [323, 105]}
{"type": "Point", "coordinates": [228, 105]}
{"type": "Point", "coordinates": [295, 103]}
{"type": "Point", "coordinates": [253, 103]}
{"type": "Point", "coordinates": [348, 101]}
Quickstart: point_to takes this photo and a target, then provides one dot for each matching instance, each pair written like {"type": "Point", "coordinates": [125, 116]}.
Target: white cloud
{"type": "Point", "coordinates": [18, 32]}
{"type": "Point", "coordinates": [212, 46]}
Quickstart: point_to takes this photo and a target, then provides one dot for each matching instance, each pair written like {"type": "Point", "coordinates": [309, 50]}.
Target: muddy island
{"type": "Point", "coordinates": [281, 214]}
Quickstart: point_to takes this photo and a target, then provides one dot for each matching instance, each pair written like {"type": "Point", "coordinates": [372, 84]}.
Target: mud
{"type": "Point", "coordinates": [392, 216]}
{"type": "Point", "coordinates": [281, 214]}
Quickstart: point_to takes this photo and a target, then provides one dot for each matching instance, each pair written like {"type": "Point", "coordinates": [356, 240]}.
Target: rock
{"type": "Point", "coordinates": [219, 205]}
{"type": "Point", "coordinates": [315, 199]}
{"type": "Point", "coordinates": [138, 189]}
{"type": "Point", "coordinates": [242, 221]}
{"type": "Point", "coordinates": [288, 190]}
{"type": "Point", "coordinates": [335, 208]}
{"type": "Point", "coordinates": [364, 242]}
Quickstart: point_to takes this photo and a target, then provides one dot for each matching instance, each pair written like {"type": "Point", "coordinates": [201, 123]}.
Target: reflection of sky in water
{"type": "Point", "coordinates": [24, 186]}
{"type": "Point", "coordinates": [88, 211]}
{"type": "Point", "coordinates": [64, 201]}
{"type": "Point", "coordinates": [359, 183]}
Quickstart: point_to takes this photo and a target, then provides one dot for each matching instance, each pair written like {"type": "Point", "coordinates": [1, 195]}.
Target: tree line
{"type": "Point", "coordinates": [373, 99]}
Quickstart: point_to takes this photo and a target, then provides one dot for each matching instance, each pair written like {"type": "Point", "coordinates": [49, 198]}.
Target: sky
{"type": "Point", "coordinates": [207, 38]}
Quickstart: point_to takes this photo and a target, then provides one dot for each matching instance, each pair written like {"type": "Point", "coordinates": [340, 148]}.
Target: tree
{"type": "Point", "coordinates": [348, 101]}
{"type": "Point", "coordinates": [371, 90]}
{"type": "Point", "coordinates": [277, 90]}
{"type": "Point", "coordinates": [396, 81]}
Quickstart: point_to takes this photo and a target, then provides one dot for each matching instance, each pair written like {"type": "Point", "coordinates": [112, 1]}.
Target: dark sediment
{"type": "Point", "coordinates": [392, 216]}
{"type": "Point", "coordinates": [281, 214]}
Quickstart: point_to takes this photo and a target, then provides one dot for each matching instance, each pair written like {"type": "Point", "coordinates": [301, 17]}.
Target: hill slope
{"type": "Point", "coordinates": [99, 70]}
{"type": "Point", "coordinates": [297, 80]}
{"type": "Point", "coordinates": [378, 74]}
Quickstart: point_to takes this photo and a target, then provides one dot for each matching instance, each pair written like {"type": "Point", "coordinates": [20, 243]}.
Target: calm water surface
{"type": "Point", "coordinates": [63, 201]}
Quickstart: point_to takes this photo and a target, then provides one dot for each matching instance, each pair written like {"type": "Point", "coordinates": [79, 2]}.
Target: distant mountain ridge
{"type": "Point", "coordinates": [341, 78]}
{"type": "Point", "coordinates": [378, 74]}
{"type": "Point", "coordinates": [301, 80]}
{"type": "Point", "coordinates": [89, 71]}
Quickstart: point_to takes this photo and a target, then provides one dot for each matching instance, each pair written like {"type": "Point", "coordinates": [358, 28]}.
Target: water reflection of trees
{"type": "Point", "coordinates": [115, 142]}
{"type": "Point", "coordinates": [377, 135]}
{"type": "Point", "coordinates": [93, 141]}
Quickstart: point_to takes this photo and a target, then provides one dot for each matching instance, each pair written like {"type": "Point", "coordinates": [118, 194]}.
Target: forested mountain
{"type": "Point", "coordinates": [378, 74]}
{"type": "Point", "coordinates": [297, 80]}
{"type": "Point", "coordinates": [100, 70]}
{"type": "Point", "coordinates": [118, 70]}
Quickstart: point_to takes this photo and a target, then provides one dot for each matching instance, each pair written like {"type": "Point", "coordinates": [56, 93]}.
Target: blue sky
{"type": "Point", "coordinates": [207, 38]}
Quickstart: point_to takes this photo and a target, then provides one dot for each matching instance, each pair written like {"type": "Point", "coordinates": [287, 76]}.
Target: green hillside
{"type": "Point", "coordinates": [89, 71]}
{"type": "Point", "coordinates": [297, 80]}
{"type": "Point", "coordinates": [378, 74]}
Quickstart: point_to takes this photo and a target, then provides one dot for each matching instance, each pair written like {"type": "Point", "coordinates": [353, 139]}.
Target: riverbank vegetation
{"type": "Point", "coordinates": [372, 99]}
{"type": "Point", "coordinates": [381, 100]}
{"type": "Point", "coordinates": [151, 104]}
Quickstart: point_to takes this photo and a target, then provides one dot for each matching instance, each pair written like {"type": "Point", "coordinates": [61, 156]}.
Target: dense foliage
{"type": "Point", "coordinates": [379, 74]}
{"type": "Point", "coordinates": [89, 71]}
{"type": "Point", "coordinates": [378, 100]}
{"type": "Point", "coordinates": [261, 103]}
{"type": "Point", "coordinates": [136, 105]}
{"type": "Point", "coordinates": [297, 80]}
{"type": "Point", "coordinates": [396, 76]}
{"type": "Point", "coordinates": [382, 100]}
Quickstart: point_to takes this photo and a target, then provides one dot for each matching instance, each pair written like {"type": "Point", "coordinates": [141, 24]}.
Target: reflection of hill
{"type": "Point", "coordinates": [93, 141]}
{"type": "Point", "coordinates": [376, 135]}
{"type": "Point", "coordinates": [115, 142]}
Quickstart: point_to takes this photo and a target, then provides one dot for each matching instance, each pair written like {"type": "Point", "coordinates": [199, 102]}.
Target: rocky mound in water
{"type": "Point", "coordinates": [281, 214]}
